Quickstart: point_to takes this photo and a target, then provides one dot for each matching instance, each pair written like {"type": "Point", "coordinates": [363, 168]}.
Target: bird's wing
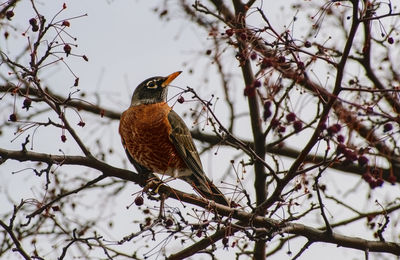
{"type": "Point", "coordinates": [183, 142]}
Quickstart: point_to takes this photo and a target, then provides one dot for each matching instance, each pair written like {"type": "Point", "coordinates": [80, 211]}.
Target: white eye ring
{"type": "Point", "coordinates": [151, 84]}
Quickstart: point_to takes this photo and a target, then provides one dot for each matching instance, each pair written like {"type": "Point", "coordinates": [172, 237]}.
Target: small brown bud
{"type": "Point", "coordinates": [13, 117]}
{"type": "Point", "coordinates": [76, 82]}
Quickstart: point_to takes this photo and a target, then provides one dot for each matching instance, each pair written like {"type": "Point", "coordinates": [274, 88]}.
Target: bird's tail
{"type": "Point", "coordinates": [206, 188]}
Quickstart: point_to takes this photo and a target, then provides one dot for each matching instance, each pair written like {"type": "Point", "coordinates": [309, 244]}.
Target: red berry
{"type": "Point", "coordinates": [291, 117]}
{"type": "Point", "coordinates": [390, 40]}
{"type": "Point", "coordinates": [229, 32]}
{"type": "Point", "coordinates": [297, 125]}
{"type": "Point", "coordinates": [148, 221]}
{"type": "Point", "coordinates": [249, 91]}
{"type": "Point", "coordinates": [333, 129]}
{"type": "Point", "coordinates": [168, 222]}
{"type": "Point", "coordinates": [56, 208]}
{"type": "Point", "coordinates": [81, 123]}
{"type": "Point", "coordinates": [387, 127]}
{"type": "Point", "coordinates": [340, 138]}
{"type": "Point", "coordinates": [274, 123]}
{"type": "Point", "coordinates": [225, 241]}
{"type": "Point", "coordinates": [35, 28]}
{"type": "Point", "coordinates": [338, 127]}
{"type": "Point", "coordinates": [199, 233]}
{"type": "Point", "coordinates": [341, 148]}
{"type": "Point", "coordinates": [367, 177]}
{"type": "Point", "coordinates": [63, 138]}
{"type": "Point", "coordinates": [13, 117]}
{"type": "Point", "coordinates": [181, 99]}
{"type": "Point", "coordinates": [379, 182]}
{"type": "Point", "coordinates": [32, 21]}
{"type": "Point", "coordinates": [267, 113]}
{"type": "Point", "coordinates": [281, 129]}
{"type": "Point", "coordinates": [362, 160]}
{"type": "Point", "coordinates": [307, 44]}
{"type": "Point", "coordinates": [253, 56]}
{"type": "Point", "coordinates": [257, 83]}
{"type": "Point", "coordinates": [27, 103]}
{"type": "Point", "coordinates": [208, 52]}
{"type": "Point", "coordinates": [300, 65]}
{"type": "Point", "coordinates": [66, 23]}
{"type": "Point", "coordinates": [67, 49]}
{"type": "Point", "coordinates": [350, 155]}
{"type": "Point", "coordinates": [375, 172]}
{"type": "Point", "coordinates": [9, 14]}
{"type": "Point", "coordinates": [139, 201]}
{"type": "Point", "coordinates": [267, 104]}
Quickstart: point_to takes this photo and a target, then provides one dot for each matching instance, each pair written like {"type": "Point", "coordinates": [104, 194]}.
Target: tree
{"type": "Point", "coordinates": [311, 139]}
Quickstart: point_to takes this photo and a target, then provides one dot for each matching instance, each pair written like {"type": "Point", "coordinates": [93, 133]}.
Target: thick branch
{"type": "Point", "coordinates": [247, 219]}
{"type": "Point", "coordinates": [15, 240]}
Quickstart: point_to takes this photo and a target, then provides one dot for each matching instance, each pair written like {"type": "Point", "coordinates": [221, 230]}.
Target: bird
{"type": "Point", "coordinates": [157, 140]}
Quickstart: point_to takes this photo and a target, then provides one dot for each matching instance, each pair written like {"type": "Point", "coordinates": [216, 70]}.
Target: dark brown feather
{"type": "Point", "coordinates": [183, 142]}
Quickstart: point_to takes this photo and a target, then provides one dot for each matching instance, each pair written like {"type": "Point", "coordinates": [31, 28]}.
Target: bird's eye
{"type": "Point", "coordinates": [151, 84]}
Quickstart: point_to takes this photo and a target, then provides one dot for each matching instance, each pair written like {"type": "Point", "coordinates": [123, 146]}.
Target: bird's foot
{"type": "Point", "coordinates": [153, 184]}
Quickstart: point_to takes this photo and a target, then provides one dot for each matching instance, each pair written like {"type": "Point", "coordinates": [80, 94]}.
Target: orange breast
{"type": "Point", "coordinates": [145, 131]}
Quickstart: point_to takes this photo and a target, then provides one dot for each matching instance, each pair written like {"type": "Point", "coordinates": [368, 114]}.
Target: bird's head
{"type": "Point", "coordinates": [153, 90]}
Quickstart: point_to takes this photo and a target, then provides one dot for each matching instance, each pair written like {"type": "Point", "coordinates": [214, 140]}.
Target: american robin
{"type": "Point", "coordinates": [157, 140]}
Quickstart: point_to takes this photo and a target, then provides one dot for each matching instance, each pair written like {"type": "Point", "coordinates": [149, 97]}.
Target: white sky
{"type": "Point", "coordinates": [126, 43]}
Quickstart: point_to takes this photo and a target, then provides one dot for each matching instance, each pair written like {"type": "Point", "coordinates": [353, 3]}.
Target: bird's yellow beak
{"type": "Point", "coordinates": [170, 78]}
